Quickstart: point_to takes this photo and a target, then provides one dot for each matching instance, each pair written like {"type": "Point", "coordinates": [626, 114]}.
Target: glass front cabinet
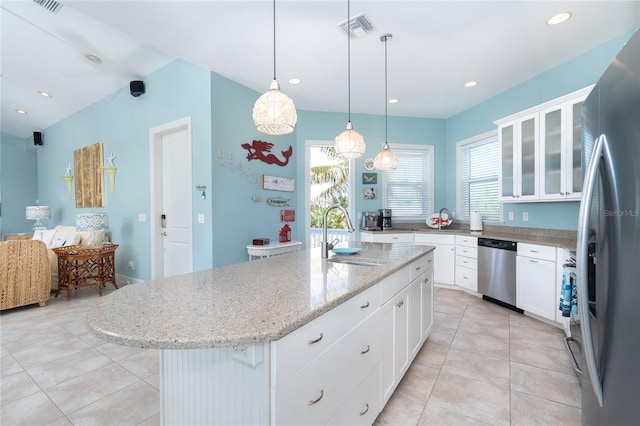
{"type": "Point", "coordinates": [561, 151]}
{"type": "Point", "coordinates": [541, 151]}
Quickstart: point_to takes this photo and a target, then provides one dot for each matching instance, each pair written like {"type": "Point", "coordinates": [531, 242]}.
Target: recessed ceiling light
{"type": "Point", "coordinates": [394, 101]}
{"type": "Point", "coordinates": [93, 58]}
{"type": "Point", "coordinates": [21, 111]}
{"type": "Point", "coordinates": [294, 81]}
{"type": "Point", "coordinates": [45, 94]}
{"type": "Point", "coordinates": [471, 83]}
{"type": "Point", "coordinates": [559, 18]}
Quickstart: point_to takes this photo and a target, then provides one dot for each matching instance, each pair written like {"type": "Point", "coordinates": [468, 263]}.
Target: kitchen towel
{"type": "Point", "coordinates": [475, 222]}
{"type": "Point", "coordinates": [568, 294]}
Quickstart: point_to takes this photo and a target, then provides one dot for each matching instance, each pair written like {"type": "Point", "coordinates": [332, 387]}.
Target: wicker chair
{"type": "Point", "coordinates": [25, 275]}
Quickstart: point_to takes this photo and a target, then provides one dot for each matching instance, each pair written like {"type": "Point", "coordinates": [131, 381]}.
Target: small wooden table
{"type": "Point", "coordinates": [272, 249]}
{"type": "Point", "coordinates": [80, 266]}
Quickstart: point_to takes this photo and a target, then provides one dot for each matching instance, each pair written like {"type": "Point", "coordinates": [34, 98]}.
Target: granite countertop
{"type": "Point", "coordinates": [240, 304]}
{"type": "Point", "coordinates": [548, 237]}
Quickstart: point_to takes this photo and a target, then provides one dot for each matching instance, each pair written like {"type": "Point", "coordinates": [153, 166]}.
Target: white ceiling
{"type": "Point", "coordinates": [437, 46]}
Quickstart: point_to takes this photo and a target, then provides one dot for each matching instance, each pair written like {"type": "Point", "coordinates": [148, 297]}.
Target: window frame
{"type": "Point", "coordinates": [460, 146]}
{"type": "Point", "coordinates": [397, 147]}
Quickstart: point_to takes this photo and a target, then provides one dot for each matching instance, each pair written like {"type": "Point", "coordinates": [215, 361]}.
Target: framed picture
{"type": "Point", "coordinates": [369, 194]}
{"type": "Point", "coordinates": [89, 185]}
{"type": "Point", "coordinates": [369, 178]}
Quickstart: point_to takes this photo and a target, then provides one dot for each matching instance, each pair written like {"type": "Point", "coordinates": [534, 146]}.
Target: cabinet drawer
{"type": "Point", "coordinates": [421, 265]}
{"type": "Point", "coordinates": [384, 237]}
{"type": "Point", "coordinates": [433, 238]}
{"type": "Point", "coordinates": [329, 379]}
{"type": "Point", "coordinates": [467, 278]}
{"type": "Point", "coordinates": [467, 262]}
{"type": "Point", "coordinates": [390, 286]}
{"type": "Point", "coordinates": [467, 251]}
{"type": "Point", "coordinates": [295, 350]}
{"type": "Point", "coordinates": [363, 405]}
{"type": "Point", "coordinates": [464, 240]}
{"type": "Point", "coordinates": [537, 251]}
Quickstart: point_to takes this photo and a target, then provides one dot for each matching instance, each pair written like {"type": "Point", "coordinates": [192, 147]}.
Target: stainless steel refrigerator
{"type": "Point", "coordinates": [608, 252]}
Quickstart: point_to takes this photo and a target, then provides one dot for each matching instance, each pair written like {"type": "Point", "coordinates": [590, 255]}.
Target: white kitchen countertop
{"type": "Point", "coordinates": [241, 304]}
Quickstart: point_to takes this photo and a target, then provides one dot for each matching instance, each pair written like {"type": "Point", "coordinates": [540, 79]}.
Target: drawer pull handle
{"type": "Point", "coordinates": [313, 401]}
{"type": "Point", "coordinates": [366, 409]}
{"type": "Point", "coordinates": [533, 251]}
{"type": "Point", "coordinates": [400, 303]}
{"type": "Point", "coordinates": [418, 268]}
{"type": "Point", "coordinates": [430, 260]}
{"type": "Point", "coordinates": [312, 341]}
{"type": "Point", "coordinates": [464, 261]}
{"type": "Point", "coordinates": [366, 350]}
{"type": "Point", "coordinates": [533, 261]}
{"type": "Point", "coordinates": [466, 278]}
{"type": "Point", "coordinates": [366, 305]}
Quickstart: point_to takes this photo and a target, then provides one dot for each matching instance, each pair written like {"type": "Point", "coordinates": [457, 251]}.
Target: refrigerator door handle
{"type": "Point", "coordinates": [582, 260]}
{"type": "Point", "coordinates": [574, 363]}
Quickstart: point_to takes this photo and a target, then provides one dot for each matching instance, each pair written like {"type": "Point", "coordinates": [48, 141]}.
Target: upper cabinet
{"type": "Point", "coordinates": [541, 151]}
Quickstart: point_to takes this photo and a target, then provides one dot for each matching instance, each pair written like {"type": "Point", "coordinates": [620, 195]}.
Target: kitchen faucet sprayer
{"type": "Point", "coordinates": [326, 246]}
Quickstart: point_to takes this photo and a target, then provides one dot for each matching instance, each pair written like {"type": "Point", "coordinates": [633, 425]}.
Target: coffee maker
{"type": "Point", "coordinates": [385, 219]}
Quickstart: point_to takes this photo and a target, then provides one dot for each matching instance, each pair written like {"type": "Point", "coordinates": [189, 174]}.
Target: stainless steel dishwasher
{"type": "Point", "coordinates": [497, 271]}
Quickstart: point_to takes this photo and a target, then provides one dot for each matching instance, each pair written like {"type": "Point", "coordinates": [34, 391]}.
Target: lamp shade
{"type": "Point", "coordinates": [274, 113]}
{"type": "Point", "coordinates": [386, 159]}
{"type": "Point", "coordinates": [349, 144]}
{"type": "Point", "coordinates": [92, 221]}
{"type": "Point", "coordinates": [38, 212]}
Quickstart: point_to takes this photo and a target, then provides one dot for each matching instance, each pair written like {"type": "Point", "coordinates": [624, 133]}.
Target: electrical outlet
{"type": "Point", "coordinates": [200, 218]}
{"type": "Point", "coordinates": [525, 216]}
{"type": "Point", "coordinates": [510, 215]}
{"type": "Point", "coordinates": [131, 265]}
{"type": "Point", "coordinates": [142, 217]}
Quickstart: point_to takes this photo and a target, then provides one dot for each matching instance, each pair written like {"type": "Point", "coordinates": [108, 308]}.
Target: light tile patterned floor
{"type": "Point", "coordinates": [482, 364]}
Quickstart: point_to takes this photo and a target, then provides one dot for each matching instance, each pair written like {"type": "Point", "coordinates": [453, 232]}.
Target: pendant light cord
{"type": "Point", "coordinates": [274, 40]}
{"type": "Point", "coordinates": [349, 59]}
{"type": "Point", "coordinates": [386, 38]}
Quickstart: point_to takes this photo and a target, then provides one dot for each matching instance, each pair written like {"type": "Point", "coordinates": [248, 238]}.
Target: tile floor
{"type": "Point", "coordinates": [482, 364]}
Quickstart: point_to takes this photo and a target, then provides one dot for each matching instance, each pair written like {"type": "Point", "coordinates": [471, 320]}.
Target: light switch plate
{"type": "Point", "coordinates": [510, 215]}
{"type": "Point", "coordinates": [200, 218]}
{"type": "Point", "coordinates": [142, 217]}
{"type": "Point", "coordinates": [525, 216]}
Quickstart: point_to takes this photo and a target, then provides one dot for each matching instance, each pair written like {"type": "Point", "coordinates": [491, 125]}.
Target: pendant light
{"type": "Point", "coordinates": [386, 159]}
{"type": "Point", "coordinates": [274, 112]}
{"type": "Point", "coordinates": [349, 144]}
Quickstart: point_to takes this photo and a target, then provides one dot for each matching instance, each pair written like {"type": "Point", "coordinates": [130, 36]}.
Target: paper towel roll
{"type": "Point", "coordinates": [475, 223]}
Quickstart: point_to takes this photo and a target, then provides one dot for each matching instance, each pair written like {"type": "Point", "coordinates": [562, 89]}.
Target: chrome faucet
{"type": "Point", "coordinates": [326, 246]}
{"type": "Point", "coordinates": [440, 217]}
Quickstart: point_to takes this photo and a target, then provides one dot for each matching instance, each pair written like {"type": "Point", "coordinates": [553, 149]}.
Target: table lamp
{"type": "Point", "coordinates": [38, 213]}
{"type": "Point", "coordinates": [92, 222]}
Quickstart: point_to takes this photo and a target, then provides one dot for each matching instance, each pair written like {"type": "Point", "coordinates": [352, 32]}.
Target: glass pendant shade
{"type": "Point", "coordinates": [274, 113]}
{"type": "Point", "coordinates": [386, 159]}
{"type": "Point", "coordinates": [349, 144]}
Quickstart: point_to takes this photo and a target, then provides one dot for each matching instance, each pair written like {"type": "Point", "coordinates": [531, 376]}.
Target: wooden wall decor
{"type": "Point", "coordinates": [89, 176]}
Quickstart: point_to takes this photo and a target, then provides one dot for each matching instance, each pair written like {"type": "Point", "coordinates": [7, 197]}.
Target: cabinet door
{"type": "Point", "coordinates": [536, 286]}
{"type": "Point", "coordinates": [506, 136]}
{"type": "Point", "coordinates": [527, 169]}
{"type": "Point", "coordinates": [552, 152]}
{"type": "Point", "coordinates": [444, 264]}
{"type": "Point", "coordinates": [395, 332]}
{"type": "Point", "coordinates": [574, 175]}
{"type": "Point", "coordinates": [427, 304]}
{"type": "Point", "coordinates": [415, 316]}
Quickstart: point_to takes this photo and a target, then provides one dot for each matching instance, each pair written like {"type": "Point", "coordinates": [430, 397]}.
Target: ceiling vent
{"type": "Point", "coordinates": [51, 5]}
{"type": "Point", "coordinates": [357, 27]}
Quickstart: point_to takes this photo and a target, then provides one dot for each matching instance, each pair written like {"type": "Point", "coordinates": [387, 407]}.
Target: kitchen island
{"type": "Point", "coordinates": [288, 339]}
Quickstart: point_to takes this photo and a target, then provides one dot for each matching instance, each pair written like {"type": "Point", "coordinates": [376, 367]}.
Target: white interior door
{"type": "Point", "coordinates": [171, 200]}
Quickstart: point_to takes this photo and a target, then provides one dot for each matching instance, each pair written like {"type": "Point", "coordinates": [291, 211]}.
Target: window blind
{"type": "Point", "coordinates": [479, 179]}
{"type": "Point", "coordinates": [408, 188]}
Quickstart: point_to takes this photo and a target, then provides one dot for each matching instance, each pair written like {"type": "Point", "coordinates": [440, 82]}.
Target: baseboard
{"type": "Point", "coordinates": [125, 280]}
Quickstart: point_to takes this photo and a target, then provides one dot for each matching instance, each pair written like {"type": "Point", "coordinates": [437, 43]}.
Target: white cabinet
{"type": "Point", "coordinates": [561, 150]}
{"type": "Point", "coordinates": [444, 258]}
{"type": "Point", "coordinates": [395, 334]}
{"type": "Point", "coordinates": [536, 280]}
{"type": "Point", "coordinates": [467, 262]}
{"type": "Point", "coordinates": [518, 141]}
{"type": "Point", "coordinates": [386, 237]}
{"type": "Point", "coordinates": [427, 304]}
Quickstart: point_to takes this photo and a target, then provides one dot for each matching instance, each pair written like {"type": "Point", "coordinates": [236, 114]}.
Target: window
{"type": "Point", "coordinates": [408, 190]}
{"type": "Point", "coordinates": [477, 164]}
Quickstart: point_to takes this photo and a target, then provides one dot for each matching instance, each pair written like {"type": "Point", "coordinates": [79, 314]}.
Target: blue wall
{"type": "Point", "coordinates": [573, 75]}
{"type": "Point", "coordinates": [220, 111]}
{"type": "Point", "coordinates": [18, 174]}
